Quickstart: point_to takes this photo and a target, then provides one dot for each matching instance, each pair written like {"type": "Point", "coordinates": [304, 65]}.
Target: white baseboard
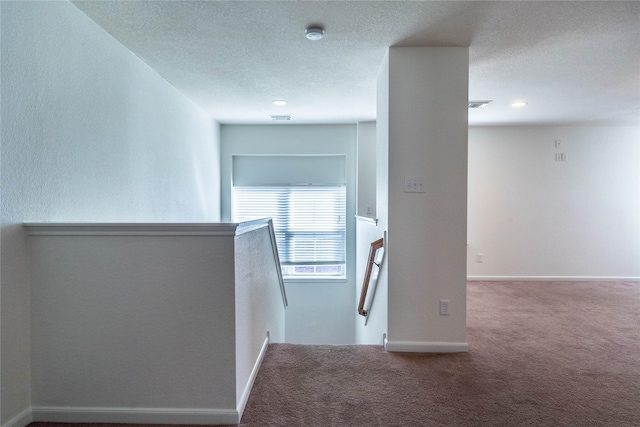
{"type": "Point", "coordinates": [426, 347]}
{"type": "Point", "coordinates": [553, 278]}
{"type": "Point", "coordinates": [21, 420]}
{"type": "Point", "coordinates": [242, 403]}
{"type": "Point", "coordinates": [57, 414]}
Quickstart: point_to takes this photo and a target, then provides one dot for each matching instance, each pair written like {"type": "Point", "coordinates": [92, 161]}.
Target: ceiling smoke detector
{"type": "Point", "coordinates": [478, 104]}
{"type": "Point", "coordinates": [314, 33]}
{"type": "Point", "coordinates": [280, 118]}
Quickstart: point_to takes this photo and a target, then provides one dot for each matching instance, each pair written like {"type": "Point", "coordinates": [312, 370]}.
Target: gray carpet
{"type": "Point", "coordinates": [541, 354]}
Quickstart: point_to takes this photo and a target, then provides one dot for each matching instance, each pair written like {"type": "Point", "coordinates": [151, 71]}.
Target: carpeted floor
{"type": "Point", "coordinates": [541, 354]}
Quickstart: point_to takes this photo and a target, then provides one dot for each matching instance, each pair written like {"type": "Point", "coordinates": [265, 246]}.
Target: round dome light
{"type": "Point", "coordinates": [314, 33]}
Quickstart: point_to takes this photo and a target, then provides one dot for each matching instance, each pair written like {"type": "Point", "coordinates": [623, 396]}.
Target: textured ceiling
{"type": "Point", "coordinates": [573, 62]}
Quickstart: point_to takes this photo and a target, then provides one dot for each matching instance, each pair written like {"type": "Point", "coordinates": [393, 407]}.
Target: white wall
{"type": "Point", "coordinates": [150, 323]}
{"type": "Point", "coordinates": [367, 169]}
{"type": "Point", "coordinates": [426, 247]}
{"type": "Point", "coordinates": [318, 312]}
{"type": "Point", "coordinates": [377, 324]}
{"type": "Point", "coordinates": [370, 330]}
{"type": "Point", "coordinates": [128, 320]}
{"type": "Point", "coordinates": [259, 305]}
{"type": "Point", "coordinates": [89, 133]}
{"type": "Point", "coordinates": [533, 217]}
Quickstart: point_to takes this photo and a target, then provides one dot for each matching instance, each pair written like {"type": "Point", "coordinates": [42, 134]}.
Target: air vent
{"type": "Point", "coordinates": [280, 118]}
{"type": "Point", "coordinates": [478, 104]}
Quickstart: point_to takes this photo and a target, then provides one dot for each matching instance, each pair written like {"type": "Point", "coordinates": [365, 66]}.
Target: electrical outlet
{"type": "Point", "coordinates": [479, 258]}
{"type": "Point", "coordinates": [444, 307]}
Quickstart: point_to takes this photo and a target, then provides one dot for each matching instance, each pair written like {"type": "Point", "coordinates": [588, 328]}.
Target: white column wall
{"type": "Point", "coordinates": [89, 133]}
{"type": "Point", "coordinates": [426, 251]}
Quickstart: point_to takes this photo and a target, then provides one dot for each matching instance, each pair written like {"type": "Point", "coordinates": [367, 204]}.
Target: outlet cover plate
{"type": "Point", "coordinates": [444, 307]}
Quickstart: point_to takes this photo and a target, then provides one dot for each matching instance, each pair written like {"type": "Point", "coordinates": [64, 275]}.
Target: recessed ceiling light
{"type": "Point", "coordinates": [519, 104]}
{"type": "Point", "coordinates": [314, 33]}
{"type": "Point", "coordinates": [279, 102]}
{"type": "Point", "coordinates": [478, 104]}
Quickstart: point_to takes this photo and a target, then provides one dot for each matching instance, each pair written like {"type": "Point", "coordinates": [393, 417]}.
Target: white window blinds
{"type": "Point", "coordinates": [309, 221]}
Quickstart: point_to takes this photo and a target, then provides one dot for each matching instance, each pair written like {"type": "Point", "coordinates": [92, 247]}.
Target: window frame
{"type": "Point", "coordinates": [291, 237]}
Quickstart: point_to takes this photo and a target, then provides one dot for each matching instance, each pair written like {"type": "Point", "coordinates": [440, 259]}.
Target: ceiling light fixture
{"type": "Point", "coordinates": [314, 33]}
{"type": "Point", "coordinates": [279, 102]}
{"type": "Point", "coordinates": [519, 104]}
{"type": "Point", "coordinates": [478, 104]}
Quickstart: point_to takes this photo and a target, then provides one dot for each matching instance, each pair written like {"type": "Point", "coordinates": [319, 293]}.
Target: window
{"type": "Point", "coordinates": [309, 223]}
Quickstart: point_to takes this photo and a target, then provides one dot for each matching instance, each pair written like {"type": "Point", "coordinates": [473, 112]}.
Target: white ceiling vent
{"type": "Point", "coordinates": [478, 104]}
{"type": "Point", "coordinates": [280, 118]}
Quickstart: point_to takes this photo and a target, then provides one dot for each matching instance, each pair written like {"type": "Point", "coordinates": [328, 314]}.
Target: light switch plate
{"type": "Point", "coordinates": [414, 184]}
